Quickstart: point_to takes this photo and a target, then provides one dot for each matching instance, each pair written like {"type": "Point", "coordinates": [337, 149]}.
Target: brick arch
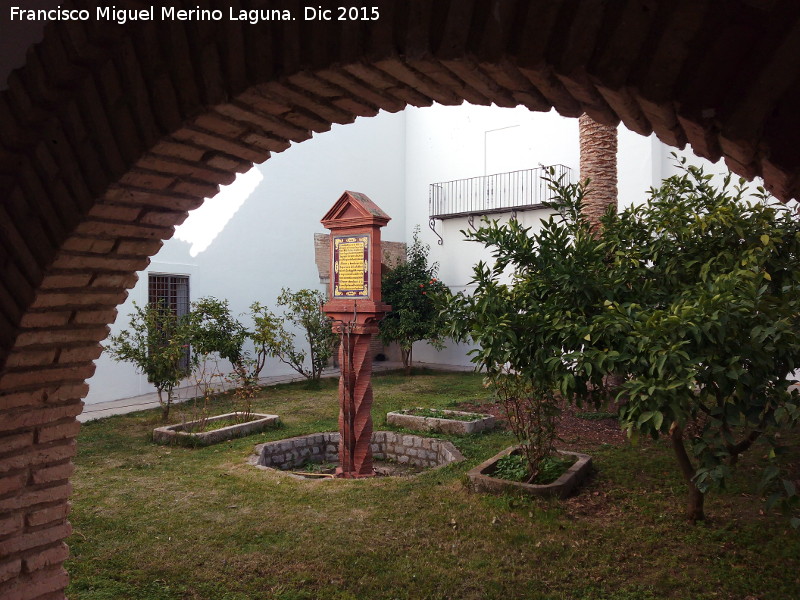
{"type": "Point", "coordinates": [109, 135]}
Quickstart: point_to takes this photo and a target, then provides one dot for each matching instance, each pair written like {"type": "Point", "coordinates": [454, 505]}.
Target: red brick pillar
{"type": "Point", "coordinates": [37, 444]}
{"type": "Point", "coordinates": [598, 149]}
{"type": "Point", "coordinates": [355, 405]}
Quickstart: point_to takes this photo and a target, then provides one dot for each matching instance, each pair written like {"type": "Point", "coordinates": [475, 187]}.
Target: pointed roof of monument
{"type": "Point", "coordinates": [354, 209]}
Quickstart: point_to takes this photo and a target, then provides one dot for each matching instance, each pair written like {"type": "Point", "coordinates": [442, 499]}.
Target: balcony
{"type": "Point", "coordinates": [491, 194]}
{"type": "Point", "coordinates": [503, 192]}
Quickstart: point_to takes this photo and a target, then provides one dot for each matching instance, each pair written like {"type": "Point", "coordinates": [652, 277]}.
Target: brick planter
{"type": "Point", "coordinates": [481, 478]}
{"type": "Point", "coordinates": [413, 450]}
{"type": "Point", "coordinates": [182, 435]}
{"type": "Point", "coordinates": [480, 422]}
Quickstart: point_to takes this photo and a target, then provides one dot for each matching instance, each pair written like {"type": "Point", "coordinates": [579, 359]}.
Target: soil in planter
{"type": "Point", "coordinates": [219, 424]}
{"type": "Point", "coordinates": [383, 468]}
{"type": "Point", "coordinates": [514, 467]}
{"type": "Point", "coordinates": [440, 414]}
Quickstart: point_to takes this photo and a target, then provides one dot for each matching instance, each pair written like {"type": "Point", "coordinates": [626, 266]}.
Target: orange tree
{"type": "Point", "coordinates": [409, 287]}
{"type": "Point", "coordinates": [694, 296]}
{"type": "Point", "coordinates": [156, 342]}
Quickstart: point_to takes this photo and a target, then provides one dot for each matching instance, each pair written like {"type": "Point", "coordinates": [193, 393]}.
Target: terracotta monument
{"type": "Point", "coordinates": [355, 306]}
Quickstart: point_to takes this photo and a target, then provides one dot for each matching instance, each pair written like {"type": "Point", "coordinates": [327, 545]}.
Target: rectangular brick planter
{"type": "Point", "coordinates": [480, 422]}
{"type": "Point", "coordinates": [181, 433]}
{"type": "Point", "coordinates": [482, 481]}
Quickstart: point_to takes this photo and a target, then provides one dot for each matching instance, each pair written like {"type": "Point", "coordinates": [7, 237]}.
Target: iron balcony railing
{"type": "Point", "coordinates": [503, 192]}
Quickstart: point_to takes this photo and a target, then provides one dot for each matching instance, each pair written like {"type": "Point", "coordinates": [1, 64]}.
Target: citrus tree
{"type": "Point", "coordinates": [157, 343]}
{"type": "Point", "coordinates": [410, 287]}
{"type": "Point", "coordinates": [693, 297]}
{"type": "Point", "coordinates": [303, 309]}
{"type": "Point", "coordinates": [216, 330]}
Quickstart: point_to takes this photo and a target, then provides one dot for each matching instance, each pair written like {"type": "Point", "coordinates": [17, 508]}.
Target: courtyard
{"type": "Point", "coordinates": [166, 522]}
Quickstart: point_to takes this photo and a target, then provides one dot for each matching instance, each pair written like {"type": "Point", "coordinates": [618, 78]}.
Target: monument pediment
{"type": "Point", "coordinates": [354, 209]}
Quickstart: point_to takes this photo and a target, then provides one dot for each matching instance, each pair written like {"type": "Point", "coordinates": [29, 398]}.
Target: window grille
{"type": "Point", "coordinates": [171, 291]}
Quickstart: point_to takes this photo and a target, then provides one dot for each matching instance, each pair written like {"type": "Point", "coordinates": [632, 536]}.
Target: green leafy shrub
{"type": "Point", "coordinates": [156, 342]}
{"type": "Point", "coordinates": [514, 467]}
{"type": "Point", "coordinates": [410, 288]}
{"type": "Point", "coordinates": [693, 297]}
{"type": "Point", "coordinates": [303, 309]}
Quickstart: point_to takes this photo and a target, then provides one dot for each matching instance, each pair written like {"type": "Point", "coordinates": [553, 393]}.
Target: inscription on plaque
{"type": "Point", "coordinates": [351, 266]}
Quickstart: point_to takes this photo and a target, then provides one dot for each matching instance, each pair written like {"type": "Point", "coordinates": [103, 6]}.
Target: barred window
{"type": "Point", "coordinates": [171, 291]}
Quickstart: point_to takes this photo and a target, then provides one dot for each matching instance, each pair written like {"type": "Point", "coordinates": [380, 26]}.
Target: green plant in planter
{"type": "Point", "coordinates": [436, 413]}
{"type": "Point", "coordinates": [532, 413]}
{"type": "Point", "coordinates": [514, 467]}
{"type": "Point", "coordinates": [216, 332]}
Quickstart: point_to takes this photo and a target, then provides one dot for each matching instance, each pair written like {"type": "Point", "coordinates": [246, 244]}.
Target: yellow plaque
{"type": "Point", "coordinates": [351, 266]}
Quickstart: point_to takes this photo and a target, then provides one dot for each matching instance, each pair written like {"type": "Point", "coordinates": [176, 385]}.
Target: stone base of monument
{"type": "Point", "coordinates": [393, 453]}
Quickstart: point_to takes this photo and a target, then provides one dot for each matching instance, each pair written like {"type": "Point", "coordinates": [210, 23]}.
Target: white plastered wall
{"type": "Point", "coordinates": [448, 143]}
{"type": "Point", "coordinates": [268, 243]}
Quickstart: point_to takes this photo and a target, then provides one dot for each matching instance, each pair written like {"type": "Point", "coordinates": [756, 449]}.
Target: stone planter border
{"type": "Point", "coordinates": [482, 481]}
{"type": "Point", "coordinates": [178, 434]}
{"type": "Point", "coordinates": [414, 450]}
{"type": "Point", "coordinates": [481, 422]}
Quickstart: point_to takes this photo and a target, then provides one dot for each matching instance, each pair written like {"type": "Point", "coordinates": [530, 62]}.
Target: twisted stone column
{"type": "Point", "coordinates": [355, 405]}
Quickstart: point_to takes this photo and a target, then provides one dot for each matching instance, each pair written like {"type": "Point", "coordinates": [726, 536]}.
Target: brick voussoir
{"type": "Point", "coordinates": [213, 141]}
{"type": "Point", "coordinates": [83, 262]}
{"type": "Point", "coordinates": [247, 113]}
{"type": "Point", "coordinates": [142, 198]}
{"type": "Point", "coordinates": [356, 87]}
{"type": "Point", "coordinates": [181, 168]}
{"type": "Point", "coordinates": [65, 280]}
{"type": "Point", "coordinates": [27, 357]}
{"type": "Point", "coordinates": [94, 245]}
{"type": "Point", "coordinates": [80, 298]}
{"type": "Point", "coordinates": [44, 584]}
{"type": "Point", "coordinates": [46, 558]}
{"type": "Point", "coordinates": [32, 377]}
{"type": "Point", "coordinates": [41, 455]}
{"type": "Point", "coordinates": [49, 336]}
{"type": "Point", "coordinates": [39, 538]}
{"type": "Point", "coordinates": [109, 228]}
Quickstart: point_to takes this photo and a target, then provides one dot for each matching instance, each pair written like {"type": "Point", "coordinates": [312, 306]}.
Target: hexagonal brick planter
{"type": "Point", "coordinates": [183, 435]}
{"type": "Point", "coordinates": [288, 454]}
{"type": "Point", "coordinates": [404, 418]}
{"type": "Point", "coordinates": [481, 478]}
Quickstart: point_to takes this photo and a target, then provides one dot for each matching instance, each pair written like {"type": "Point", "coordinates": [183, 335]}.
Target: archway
{"type": "Point", "coordinates": [110, 134]}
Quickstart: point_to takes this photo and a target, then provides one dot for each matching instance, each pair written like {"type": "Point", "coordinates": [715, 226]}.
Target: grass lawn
{"type": "Point", "coordinates": [156, 522]}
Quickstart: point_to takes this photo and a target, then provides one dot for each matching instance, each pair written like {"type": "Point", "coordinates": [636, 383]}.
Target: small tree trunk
{"type": "Point", "coordinates": [164, 405]}
{"type": "Point", "coordinates": [405, 356]}
{"type": "Point", "coordinates": [694, 507]}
